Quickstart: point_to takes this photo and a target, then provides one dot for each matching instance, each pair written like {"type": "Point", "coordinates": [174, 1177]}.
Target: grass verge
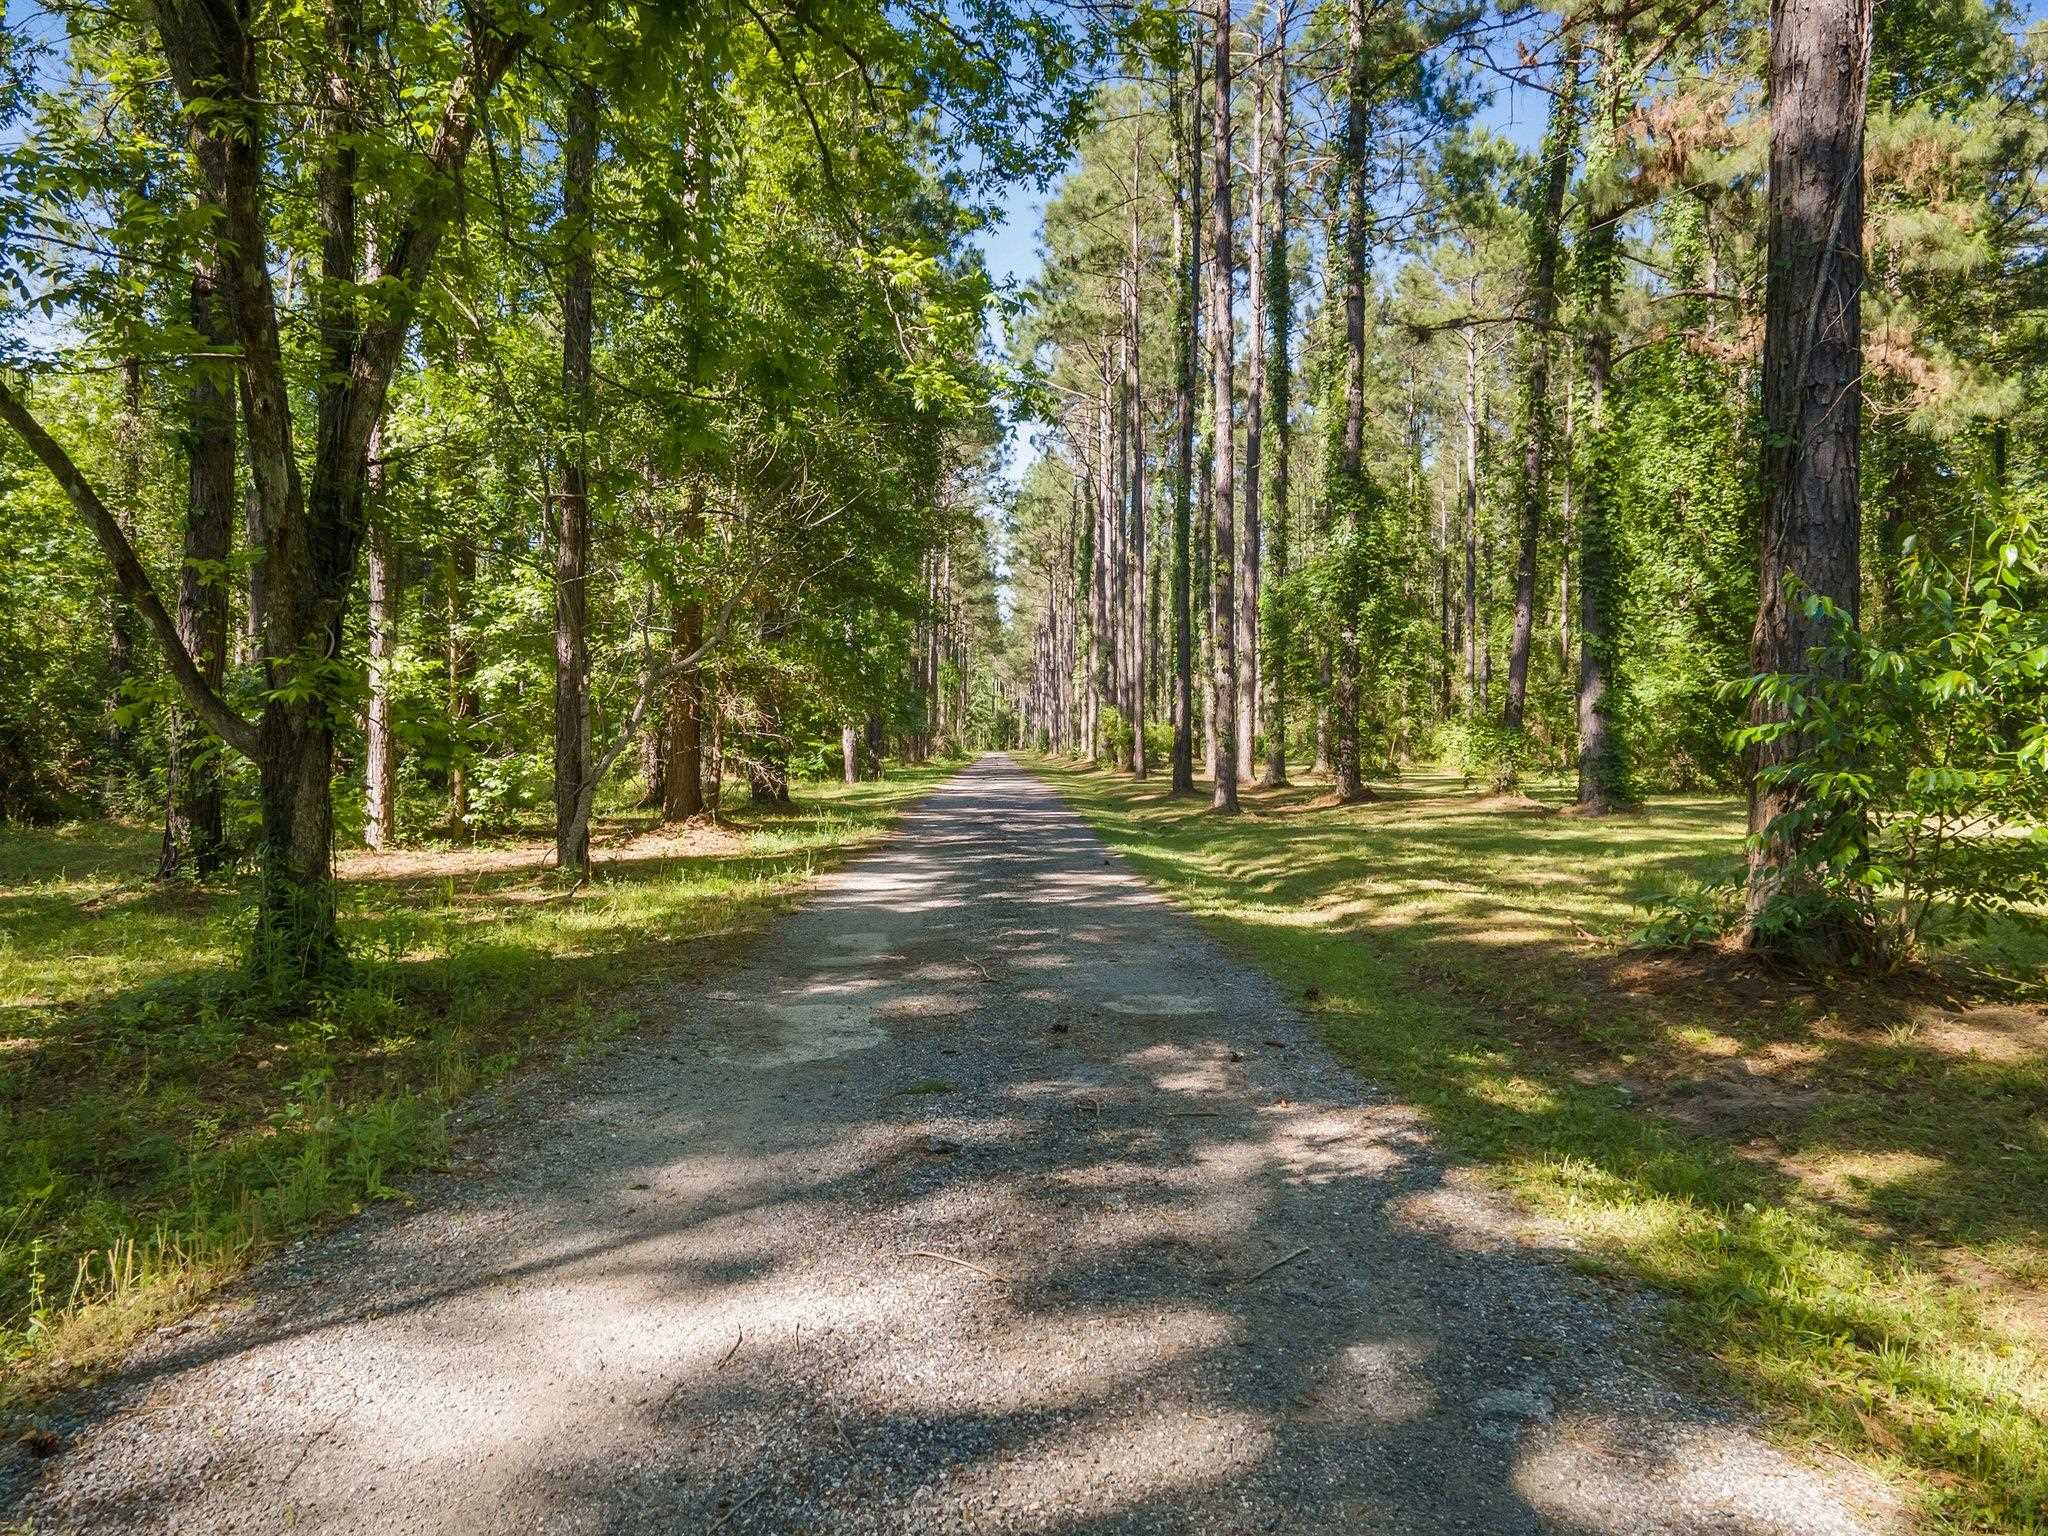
{"type": "Point", "coordinates": [159, 1126]}
{"type": "Point", "coordinates": [1841, 1188]}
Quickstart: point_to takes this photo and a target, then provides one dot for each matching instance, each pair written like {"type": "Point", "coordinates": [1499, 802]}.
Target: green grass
{"type": "Point", "coordinates": [1842, 1188]}
{"type": "Point", "coordinates": [160, 1125]}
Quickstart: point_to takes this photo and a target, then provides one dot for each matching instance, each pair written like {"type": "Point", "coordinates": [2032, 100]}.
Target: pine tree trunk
{"type": "Point", "coordinates": [1134, 485]}
{"type": "Point", "coordinates": [1254, 448]}
{"type": "Point", "coordinates": [1187, 248]}
{"type": "Point", "coordinates": [1346, 767]}
{"type": "Point", "coordinates": [1222, 339]}
{"type": "Point", "coordinates": [1470, 498]}
{"type": "Point", "coordinates": [1533, 486]}
{"type": "Point", "coordinates": [1813, 360]}
{"type": "Point", "coordinates": [1279, 307]}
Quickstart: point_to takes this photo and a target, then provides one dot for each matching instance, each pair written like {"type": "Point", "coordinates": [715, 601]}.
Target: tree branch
{"type": "Point", "coordinates": [128, 572]}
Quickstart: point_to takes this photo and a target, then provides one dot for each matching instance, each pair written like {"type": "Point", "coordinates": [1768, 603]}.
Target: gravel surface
{"type": "Point", "coordinates": [991, 1196]}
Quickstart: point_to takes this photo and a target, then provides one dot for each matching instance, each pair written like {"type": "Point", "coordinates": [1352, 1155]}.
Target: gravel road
{"type": "Point", "coordinates": [992, 1196]}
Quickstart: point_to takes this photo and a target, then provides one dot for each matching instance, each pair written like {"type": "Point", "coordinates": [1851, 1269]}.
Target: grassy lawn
{"type": "Point", "coordinates": [159, 1126]}
{"type": "Point", "coordinates": [1840, 1185]}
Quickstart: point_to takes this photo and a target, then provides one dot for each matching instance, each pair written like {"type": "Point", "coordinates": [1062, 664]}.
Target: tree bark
{"type": "Point", "coordinates": [572, 498]}
{"type": "Point", "coordinates": [1222, 339]}
{"type": "Point", "coordinates": [849, 752]}
{"type": "Point", "coordinates": [683, 789]}
{"type": "Point", "coordinates": [1533, 484]}
{"type": "Point", "coordinates": [1346, 768]}
{"type": "Point", "coordinates": [1187, 246]}
{"type": "Point", "coordinates": [1254, 448]}
{"type": "Point", "coordinates": [1279, 309]}
{"type": "Point", "coordinates": [194, 813]}
{"type": "Point", "coordinates": [1813, 359]}
{"type": "Point", "coordinates": [1134, 485]}
{"type": "Point", "coordinates": [380, 766]}
{"type": "Point", "coordinates": [1469, 505]}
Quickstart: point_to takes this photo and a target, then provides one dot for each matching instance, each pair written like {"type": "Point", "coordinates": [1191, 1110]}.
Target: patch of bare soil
{"type": "Point", "coordinates": [1511, 802]}
{"type": "Point", "coordinates": [615, 843]}
{"type": "Point", "coordinates": [1995, 1032]}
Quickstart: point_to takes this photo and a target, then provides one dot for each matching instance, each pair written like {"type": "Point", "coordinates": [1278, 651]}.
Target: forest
{"type": "Point", "coordinates": [1529, 521]}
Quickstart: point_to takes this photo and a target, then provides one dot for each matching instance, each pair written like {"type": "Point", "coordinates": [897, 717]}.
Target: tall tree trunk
{"type": "Point", "coordinates": [1186, 281]}
{"type": "Point", "coordinates": [1603, 777]}
{"type": "Point", "coordinates": [1254, 448]}
{"type": "Point", "coordinates": [1187, 250]}
{"type": "Point", "coordinates": [1347, 769]}
{"type": "Point", "coordinates": [1469, 494]}
{"type": "Point", "coordinates": [572, 498]}
{"type": "Point", "coordinates": [1222, 339]}
{"type": "Point", "coordinates": [683, 787]}
{"type": "Point", "coordinates": [380, 748]}
{"type": "Point", "coordinates": [193, 804]}
{"type": "Point", "coordinates": [1279, 309]}
{"type": "Point", "coordinates": [849, 752]}
{"type": "Point", "coordinates": [1532, 489]}
{"type": "Point", "coordinates": [1813, 361]}
{"type": "Point", "coordinates": [1134, 478]}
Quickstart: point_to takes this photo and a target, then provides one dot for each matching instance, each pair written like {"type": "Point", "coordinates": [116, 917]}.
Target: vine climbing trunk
{"type": "Point", "coordinates": [1532, 486]}
{"type": "Point", "coordinates": [1346, 766]}
{"type": "Point", "coordinates": [1603, 782]}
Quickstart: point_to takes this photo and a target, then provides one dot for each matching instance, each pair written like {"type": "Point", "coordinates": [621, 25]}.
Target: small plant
{"type": "Point", "coordinates": [1695, 912]}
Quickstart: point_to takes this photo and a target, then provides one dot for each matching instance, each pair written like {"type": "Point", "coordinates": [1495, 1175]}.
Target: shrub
{"type": "Point", "coordinates": [1115, 736]}
{"type": "Point", "coordinates": [1486, 750]}
{"type": "Point", "coordinates": [1921, 771]}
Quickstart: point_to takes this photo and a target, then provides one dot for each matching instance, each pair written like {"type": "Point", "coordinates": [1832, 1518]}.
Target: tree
{"type": "Point", "coordinates": [1812, 386]}
{"type": "Point", "coordinates": [1223, 690]}
{"type": "Point", "coordinates": [573, 764]}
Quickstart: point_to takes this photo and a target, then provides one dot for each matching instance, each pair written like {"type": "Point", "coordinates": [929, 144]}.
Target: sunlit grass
{"type": "Point", "coordinates": [1849, 1216]}
{"type": "Point", "coordinates": [159, 1123]}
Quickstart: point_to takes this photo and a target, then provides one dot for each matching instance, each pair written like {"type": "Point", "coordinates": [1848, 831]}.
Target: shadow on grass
{"type": "Point", "coordinates": [1844, 1194]}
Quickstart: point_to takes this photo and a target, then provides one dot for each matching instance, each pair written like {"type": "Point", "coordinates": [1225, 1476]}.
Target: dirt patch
{"type": "Point", "coordinates": [616, 844]}
{"type": "Point", "coordinates": [2001, 1033]}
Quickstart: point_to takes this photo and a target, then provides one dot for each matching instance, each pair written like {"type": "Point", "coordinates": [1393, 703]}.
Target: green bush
{"type": "Point", "coordinates": [1115, 736]}
{"type": "Point", "coordinates": [1486, 750]}
{"type": "Point", "coordinates": [1920, 777]}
